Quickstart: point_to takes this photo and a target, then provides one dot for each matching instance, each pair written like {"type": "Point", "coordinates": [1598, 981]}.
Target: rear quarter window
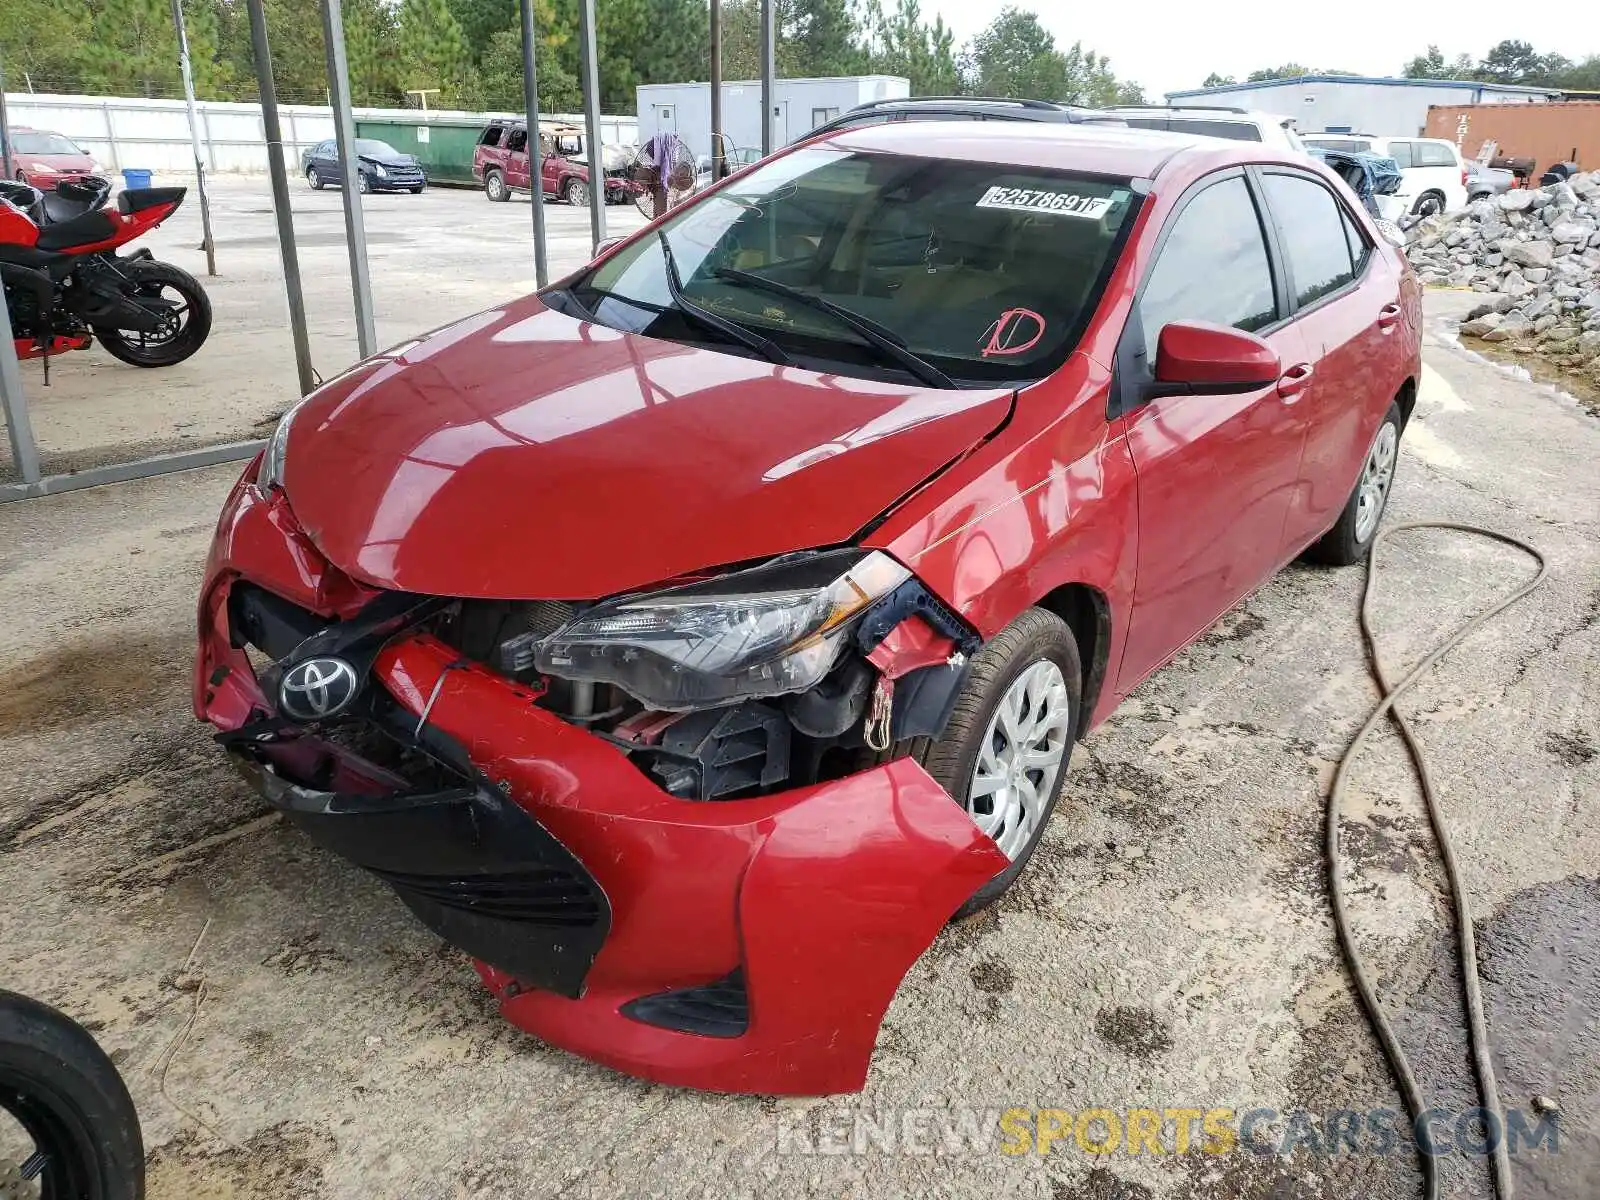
{"type": "Point", "coordinates": [1435, 154]}
{"type": "Point", "coordinates": [491, 136]}
{"type": "Point", "coordinates": [1238, 131]}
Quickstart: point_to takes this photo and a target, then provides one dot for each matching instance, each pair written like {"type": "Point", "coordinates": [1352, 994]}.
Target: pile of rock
{"type": "Point", "coordinates": [1536, 256]}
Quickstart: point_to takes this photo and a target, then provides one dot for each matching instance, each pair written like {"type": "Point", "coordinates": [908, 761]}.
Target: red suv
{"type": "Point", "coordinates": [500, 163]}
{"type": "Point", "coordinates": [689, 642]}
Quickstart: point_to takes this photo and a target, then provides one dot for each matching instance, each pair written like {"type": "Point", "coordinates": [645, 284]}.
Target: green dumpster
{"type": "Point", "coordinates": [444, 147]}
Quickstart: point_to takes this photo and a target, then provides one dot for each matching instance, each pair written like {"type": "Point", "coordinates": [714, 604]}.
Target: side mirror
{"type": "Point", "coordinates": [606, 246]}
{"type": "Point", "coordinates": [1201, 359]}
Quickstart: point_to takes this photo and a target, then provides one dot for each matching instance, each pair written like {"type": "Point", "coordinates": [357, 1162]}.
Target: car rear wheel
{"type": "Point", "coordinates": [314, 179]}
{"type": "Point", "coordinates": [1351, 536]}
{"type": "Point", "coordinates": [1005, 750]}
{"type": "Point", "coordinates": [494, 187]}
{"type": "Point", "coordinates": [1429, 204]}
{"type": "Point", "coordinates": [576, 193]}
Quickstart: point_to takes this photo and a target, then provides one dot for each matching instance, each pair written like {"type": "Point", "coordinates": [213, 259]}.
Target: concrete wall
{"type": "Point", "coordinates": [1546, 133]}
{"type": "Point", "coordinates": [1397, 108]}
{"type": "Point", "coordinates": [129, 132]}
{"type": "Point", "coordinates": [685, 108]}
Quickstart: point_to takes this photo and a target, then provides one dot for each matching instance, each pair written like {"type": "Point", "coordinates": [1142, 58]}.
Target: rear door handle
{"type": "Point", "coordinates": [1388, 316]}
{"type": "Point", "coordinates": [1294, 381]}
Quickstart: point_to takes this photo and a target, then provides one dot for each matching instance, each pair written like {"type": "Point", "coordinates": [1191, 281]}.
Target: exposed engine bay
{"type": "Point", "coordinates": [895, 678]}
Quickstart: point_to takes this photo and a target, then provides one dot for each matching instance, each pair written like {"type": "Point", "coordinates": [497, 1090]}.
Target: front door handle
{"type": "Point", "coordinates": [1389, 316]}
{"type": "Point", "coordinates": [1294, 381]}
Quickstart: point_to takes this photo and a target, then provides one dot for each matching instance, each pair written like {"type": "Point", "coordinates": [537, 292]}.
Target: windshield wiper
{"type": "Point", "coordinates": [885, 341]}
{"type": "Point", "coordinates": [765, 347]}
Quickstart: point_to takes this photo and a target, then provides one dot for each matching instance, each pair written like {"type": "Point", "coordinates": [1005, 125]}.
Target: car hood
{"type": "Point", "coordinates": [389, 160]}
{"type": "Point", "coordinates": [61, 162]}
{"type": "Point", "coordinates": [522, 453]}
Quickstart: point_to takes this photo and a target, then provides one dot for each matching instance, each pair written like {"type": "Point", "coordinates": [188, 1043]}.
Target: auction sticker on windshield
{"type": "Point", "coordinates": [1031, 200]}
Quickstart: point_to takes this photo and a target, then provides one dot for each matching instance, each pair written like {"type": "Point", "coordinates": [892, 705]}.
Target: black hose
{"type": "Point", "coordinates": [1477, 1035]}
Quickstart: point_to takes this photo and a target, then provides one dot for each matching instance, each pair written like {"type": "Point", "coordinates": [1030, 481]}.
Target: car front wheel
{"type": "Point", "coordinates": [1004, 752]}
{"type": "Point", "coordinates": [1351, 536]}
{"type": "Point", "coordinates": [1429, 204]}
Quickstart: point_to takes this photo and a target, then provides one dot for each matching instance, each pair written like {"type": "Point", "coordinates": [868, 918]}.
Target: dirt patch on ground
{"type": "Point", "coordinates": [1581, 386]}
{"type": "Point", "coordinates": [281, 1161]}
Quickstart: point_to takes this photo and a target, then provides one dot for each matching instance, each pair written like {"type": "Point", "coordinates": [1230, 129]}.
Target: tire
{"type": "Point", "coordinates": [1350, 539]}
{"type": "Point", "coordinates": [1035, 638]}
{"type": "Point", "coordinates": [1428, 204]}
{"type": "Point", "coordinates": [363, 184]}
{"type": "Point", "coordinates": [58, 1084]}
{"type": "Point", "coordinates": [314, 179]}
{"type": "Point", "coordinates": [417, 191]}
{"type": "Point", "coordinates": [576, 193]}
{"type": "Point", "coordinates": [494, 187]}
{"type": "Point", "coordinates": [157, 278]}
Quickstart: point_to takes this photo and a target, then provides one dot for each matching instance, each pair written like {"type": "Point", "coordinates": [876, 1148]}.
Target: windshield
{"type": "Point", "coordinates": [373, 148]}
{"type": "Point", "coordinates": [987, 273]}
{"type": "Point", "coordinates": [42, 143]}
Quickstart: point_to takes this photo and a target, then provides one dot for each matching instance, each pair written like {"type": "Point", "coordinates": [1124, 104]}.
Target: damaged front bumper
{"type": "Point", "coordinates": [741, 946]}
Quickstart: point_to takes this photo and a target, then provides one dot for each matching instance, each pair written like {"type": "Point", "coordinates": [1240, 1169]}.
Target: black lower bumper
{"type": "Point", "coordinates": [475, 868]}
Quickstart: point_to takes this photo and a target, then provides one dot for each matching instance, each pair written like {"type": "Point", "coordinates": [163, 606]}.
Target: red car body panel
{"type": "Point", "coordinates": [877, 862]}
{"type": "Point", "coordinates": [523, 454]}
{"type": "Point", "coordinates": [439, 470]}
{"type": "Point", "coordinates": [44, 171]}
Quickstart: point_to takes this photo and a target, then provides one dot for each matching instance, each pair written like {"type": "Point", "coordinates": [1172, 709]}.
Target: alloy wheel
{"type": "Point", "coordinates": [577, 193]}
{"type": "Point", "coordinates": [1376, 476]}
{"type": "Point", "coordinates": [1020, 756]}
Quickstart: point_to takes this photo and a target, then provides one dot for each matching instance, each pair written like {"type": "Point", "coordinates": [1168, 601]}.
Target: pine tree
{"type": "Point", "coordinates": [433, 52]}
{"type": "Point", "coordinates": [369, 37]}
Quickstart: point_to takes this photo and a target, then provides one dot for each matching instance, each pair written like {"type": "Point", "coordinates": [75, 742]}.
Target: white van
{"type": "Point", "coordinates": [1435, 176]}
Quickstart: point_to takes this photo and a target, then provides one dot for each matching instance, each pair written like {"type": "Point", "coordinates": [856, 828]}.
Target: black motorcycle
{"type": "Point", "coordinates": [68, 1129]}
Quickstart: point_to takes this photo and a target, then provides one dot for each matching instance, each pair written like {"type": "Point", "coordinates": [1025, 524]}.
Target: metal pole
{"type": "Point", "coordinates": [280, 196]}
{"type": "Point", "coordinates": [769, 71]}
{"type": "Point", "coordinates": [344, 131]}
{"type": "Point", "coordinates": [719, 159]}
{"type": "Point", "coordinates": [24, 450]}
{"type": "Point", "coordinates": [206, 243]}
{"type": "Point", "coordinates": [589, 67]}
{"type": "Point", "coordinates": [5, 124]}
{"type": "Point", "coordinates": [530, 105]}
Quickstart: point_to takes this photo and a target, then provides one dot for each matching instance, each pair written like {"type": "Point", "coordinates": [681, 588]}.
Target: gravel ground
{"type": "Point", "coordinates": [1169, 948]}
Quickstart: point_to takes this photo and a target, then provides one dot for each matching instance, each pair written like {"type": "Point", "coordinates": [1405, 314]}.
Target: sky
{"type": "Point", "coordinates": [1168, 45]}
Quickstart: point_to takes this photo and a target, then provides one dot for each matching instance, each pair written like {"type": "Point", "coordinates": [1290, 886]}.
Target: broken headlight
{"type": "Point", "coordinates": [764, 632]}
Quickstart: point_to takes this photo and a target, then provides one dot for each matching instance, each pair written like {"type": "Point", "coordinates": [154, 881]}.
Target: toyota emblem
{"type": "Point", "coordinates": [317, 688]}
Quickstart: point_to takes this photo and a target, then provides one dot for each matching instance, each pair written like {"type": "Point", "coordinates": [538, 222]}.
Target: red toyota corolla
{"type": "Point", "coordinates": [690, 642]}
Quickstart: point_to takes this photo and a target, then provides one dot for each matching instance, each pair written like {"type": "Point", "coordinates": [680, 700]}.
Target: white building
{"type": "Point", "coordinates": [1344, 103]}
{"type": "Point", "coordinates": [799, 106]}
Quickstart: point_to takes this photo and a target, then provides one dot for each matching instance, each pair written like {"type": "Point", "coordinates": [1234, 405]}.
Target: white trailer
{"type": "Point", "coordinates": [799, 106]}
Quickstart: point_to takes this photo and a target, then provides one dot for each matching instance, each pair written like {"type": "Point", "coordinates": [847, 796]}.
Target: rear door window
{"type": "Point", "coordinates": [1212, 267]}
{"type": "Point", "coordinates": [1401, 153]}
{"type": "Point", "coordinates": [517, 143]}
{"type": "Point", "coordinates": [1360, 248]}
{"type": "Point", "coordinates": [1313, 234]}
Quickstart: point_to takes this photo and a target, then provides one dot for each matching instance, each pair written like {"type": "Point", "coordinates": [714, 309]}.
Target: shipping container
{"type": "Point", "coordinates": [798, 107]}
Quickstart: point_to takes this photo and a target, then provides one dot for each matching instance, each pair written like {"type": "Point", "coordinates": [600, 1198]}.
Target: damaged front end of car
{"type": "Point", "coordinates": [670, 825]}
